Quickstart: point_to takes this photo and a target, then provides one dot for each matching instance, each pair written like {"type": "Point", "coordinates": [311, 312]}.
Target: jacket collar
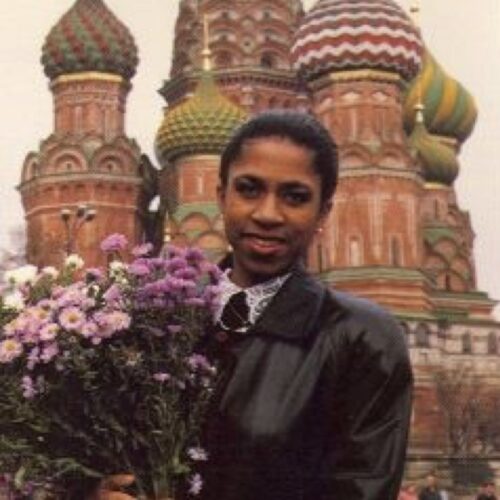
{"type": "Point", "coordinates": [294, 312]}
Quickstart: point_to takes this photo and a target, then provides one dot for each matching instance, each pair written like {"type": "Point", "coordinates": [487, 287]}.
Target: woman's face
{"type": "Point", "coordinates": [271, 206]}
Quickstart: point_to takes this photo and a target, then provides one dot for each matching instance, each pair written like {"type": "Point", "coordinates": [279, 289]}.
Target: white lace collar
{"type": "Point", "coordinates": [257, 296]}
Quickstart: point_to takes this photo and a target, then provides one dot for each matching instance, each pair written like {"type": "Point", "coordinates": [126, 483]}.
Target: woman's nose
{"type": "Point", "coordinates": [268, 210]}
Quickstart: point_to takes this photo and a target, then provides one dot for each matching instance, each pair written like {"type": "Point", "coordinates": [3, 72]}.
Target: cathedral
{"type": "Point", "coordinates": [397, 234]}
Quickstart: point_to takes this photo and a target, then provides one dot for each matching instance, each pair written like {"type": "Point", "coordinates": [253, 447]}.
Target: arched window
{"type": "Point", "coordinates": [273, 102]}
{"type": "Point", "coordinates": [405, 327]}
{"type": "Point", "coordinates": [78, 119]}
{"type": "Point", "coordinates": [223, 59]}
{"type": "Point", "coordinates": [467, 343]}
{"type": "Point", "coordinates": [492, 343]}
{"type": "Point", "coordinates": [199, 184]}
{"type": "Point", "coordinates": [355, 256]}
{"type": "Point", "coordinates": [447, 282]}
{"type": "Point", "coordinates": [267, 60]}
{"type": "Point", "coordinates": [436, 209]}
{"type": "Point", "coordinates": [395, 251]}
{"type": "Point", "coordinates": [422, 335]}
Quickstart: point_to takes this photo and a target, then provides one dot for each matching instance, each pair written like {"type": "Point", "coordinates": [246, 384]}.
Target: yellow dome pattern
{"type": "Point", "coordinates": [439, 161]}
{"type": "Point", "coordinates": [449, 108]}
{"type": "Point", "coordinates": [200, 125]}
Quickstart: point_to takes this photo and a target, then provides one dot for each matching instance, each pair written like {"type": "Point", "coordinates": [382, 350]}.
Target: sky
{"type": "Point", "coordinates": [463, 35]}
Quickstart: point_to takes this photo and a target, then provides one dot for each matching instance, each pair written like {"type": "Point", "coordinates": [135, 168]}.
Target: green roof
{"type": "Point", "coordinates": [89, 37]}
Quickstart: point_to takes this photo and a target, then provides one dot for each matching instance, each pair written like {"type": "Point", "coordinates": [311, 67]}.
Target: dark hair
{"type": "Point", "coordinates": [302, 129]}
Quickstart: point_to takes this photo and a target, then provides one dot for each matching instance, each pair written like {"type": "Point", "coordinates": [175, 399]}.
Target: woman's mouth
{"type": "Point", "coordinates": [264, 245]}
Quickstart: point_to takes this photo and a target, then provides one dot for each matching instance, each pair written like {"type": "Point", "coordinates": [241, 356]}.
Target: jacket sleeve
{"type": "Point", "coordinates": [371, 409]}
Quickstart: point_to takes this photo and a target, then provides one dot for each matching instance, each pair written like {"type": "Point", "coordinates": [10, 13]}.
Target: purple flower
{"type": "Point", "coordinates": [114, 243]}
{"type": "Point", "coordinates": [142, 250]}
{"type": "Point", "coordinates": [194, 255]}
{"type": "Point", "coordinates": [47, 304]}
{"type": "Point", "coordinates": [49, 352]}
{"type": "Point", "coordinates": [195, 301]}
{"type": "Point", "coordinates": [213, 271]}
{"type": "Point", "coordinates": [89, 329]}
{"type": "Point", "coordinates": [28, 387]}
{"type": "Point", "coordinates": [212, 294]}
{"type": "Point", "coordinates": [39, 314]}
{"type": "Point", "coordinates": [195, 484]}
{"type": "Point", "coordinates": [94, 274]}
{"type": "Point", "coordinates": [113, 295]}
{"type": "Point", "coordinates": [161, 377]}
{"type": "Point", "coordinates": [49, 331]}
{"type": "Point", "coordinates": [73, 295]}
{"type": "Point", "coordinates": [138, 268]}
{"type": "Point", "coordinates": [10, 349]}
{"type": "Point", "coordinates": [176, 263]}
{"type": "Point", "coordinates": [111, 322]}
{"type": "Point", "coordinates": [186, 273]}
{"type": "Point", "coordinates": [197, 454]}
{"type": "Point", "coordinates": [33, 358]}
{"type": "Point", "coordinates": [199, 362]}
{"type": "Point", "coordinates": [71, 318]}
{"type": "Point", "coordinates": [174, 328]}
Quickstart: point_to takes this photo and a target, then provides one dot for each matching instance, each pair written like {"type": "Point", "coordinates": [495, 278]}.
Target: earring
{"type": "Point", "coordinates": [319, 230]}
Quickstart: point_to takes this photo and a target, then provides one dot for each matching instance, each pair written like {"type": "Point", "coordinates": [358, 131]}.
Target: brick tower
{"type": "Point", "coordinates": [87, 161]}
{"type": "Point", "coordinates": [188, 146]}
{"type": "Point", "coordinates": [356, 62]}
{"type": "Point", "coordinates": [250, 41]}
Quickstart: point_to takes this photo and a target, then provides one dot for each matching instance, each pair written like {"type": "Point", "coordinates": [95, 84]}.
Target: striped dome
{"type": "Point", "coordinates": [89, 37]}
{"type": "Point", "coordinates": [439, 161]}
{"type": "Point", "coordinates": [449, 109]}
{"type": "Point", "coordinates": [342, 35]}
{"type": "Point", "coordinates": [200, 125]}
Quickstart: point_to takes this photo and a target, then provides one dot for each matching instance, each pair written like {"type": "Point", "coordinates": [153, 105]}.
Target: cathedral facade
{"type": "Point", "coordinates": [397, 234]}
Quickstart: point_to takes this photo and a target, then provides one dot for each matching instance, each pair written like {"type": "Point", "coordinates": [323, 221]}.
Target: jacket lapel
{"type": "Point", "coordinates": [294, 311]}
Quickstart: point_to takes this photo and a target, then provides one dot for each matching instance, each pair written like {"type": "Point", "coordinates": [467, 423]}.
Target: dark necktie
{"type": "Point", "coordinates": [235, 313]}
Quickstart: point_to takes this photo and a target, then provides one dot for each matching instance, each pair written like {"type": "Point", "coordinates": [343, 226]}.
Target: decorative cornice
{"type": "Point", "coordinates": [374, 273]}
{"type": "Point", "coordinates": [95, 204]}
{"type": "Point", "coordinates": [472, 297]}
{"type": "Point", "coordinates": [370, 171]}
{"type": "Point", "coordinates": [86, 76]}
{"type": "Point", "coordinates": [198, 157]}
{"type": "Point", "coordinates": [283, 78]}
{"type": "Point", "coordinates": [85, 176]}
{"type": "Point", "coordinates": [356, 75]}
{"type": "Point", "coordinates": [435, 186]}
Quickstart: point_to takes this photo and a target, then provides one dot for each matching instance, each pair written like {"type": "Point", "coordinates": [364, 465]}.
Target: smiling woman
{"type": "Point", "coordinates": [294, 415]}
{"type": "Point", "coordinates": [272, 207]}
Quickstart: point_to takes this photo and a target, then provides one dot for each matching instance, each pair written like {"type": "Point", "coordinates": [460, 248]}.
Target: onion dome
{"type": "Point", "coordinates": [89, 37]}
{"type": "Point", "coordinates": [343, 35]}
{"type": "Point", "coordinates": [200, 125]}
{"type": "Point", "coordinates": [439, 162]}
{"type": "Point", "coordinates": [449, 109]}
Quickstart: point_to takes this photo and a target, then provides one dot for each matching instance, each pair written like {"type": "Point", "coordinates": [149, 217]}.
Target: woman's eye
{"type": "Point", "coordinates": [247, 188]}
{"type": "Point", "coordinates": [297, 197]}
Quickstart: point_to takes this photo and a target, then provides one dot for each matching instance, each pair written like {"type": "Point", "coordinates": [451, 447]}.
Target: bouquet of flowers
{"type": "Point", "coordinates": [100, 374]}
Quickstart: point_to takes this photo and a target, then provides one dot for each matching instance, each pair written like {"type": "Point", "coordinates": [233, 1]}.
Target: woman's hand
{"type": "Point", "coordinates": [109, 488]}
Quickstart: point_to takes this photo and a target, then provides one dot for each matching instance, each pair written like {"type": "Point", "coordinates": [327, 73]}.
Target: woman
{"type": "Point", "coordinates": [314, 397]}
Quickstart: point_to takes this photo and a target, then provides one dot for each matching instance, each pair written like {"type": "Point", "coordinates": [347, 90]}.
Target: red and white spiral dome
{"type": "Point", "coordinates": [343, 35]}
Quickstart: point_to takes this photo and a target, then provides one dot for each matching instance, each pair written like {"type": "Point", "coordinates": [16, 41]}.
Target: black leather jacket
{"type": "Point", "coordinates": [313, 403]}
